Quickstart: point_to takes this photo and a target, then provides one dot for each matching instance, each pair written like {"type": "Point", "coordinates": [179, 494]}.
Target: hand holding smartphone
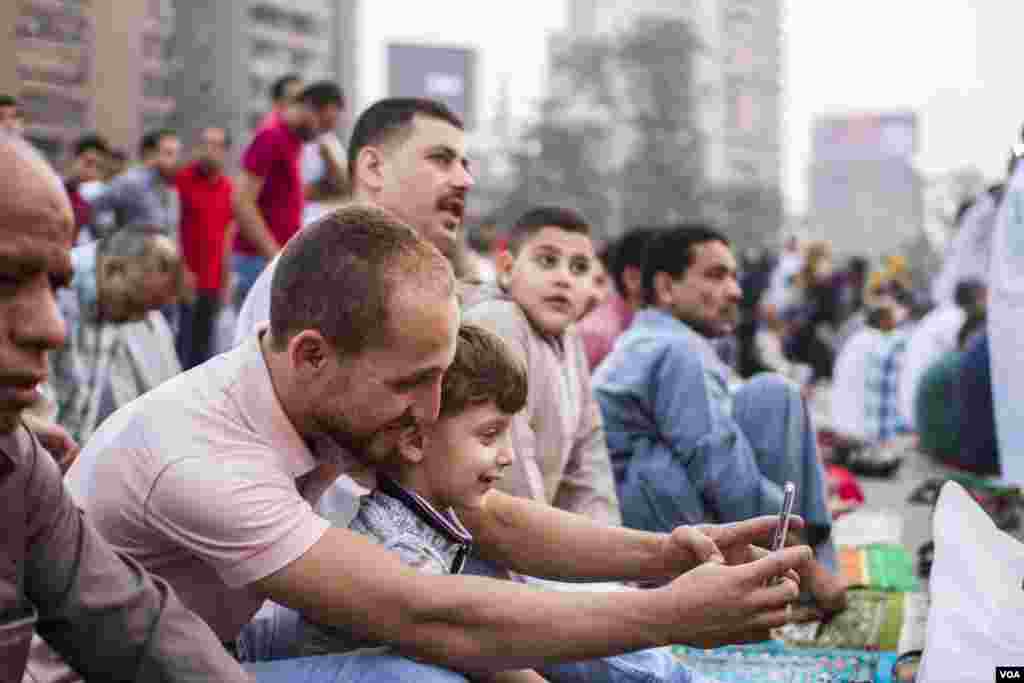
{"type": "Point", "coordinates": [782, 528]}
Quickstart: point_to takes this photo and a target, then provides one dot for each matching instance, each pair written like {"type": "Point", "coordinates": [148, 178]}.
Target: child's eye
{"type": "Point", "coordinates": [547, 260]}
{"type": "Point", "coordinates": [579, 266]}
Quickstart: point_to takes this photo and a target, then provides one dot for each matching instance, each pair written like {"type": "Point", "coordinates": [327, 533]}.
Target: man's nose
{"type": "Point", "coordinates": [463, 177]}
{"type": "Point", "coordinates": [428, 403]}
{"type": "Point", "coordinates": [40, 324]}
{"type": "Point", "coordinates": [735, 292]}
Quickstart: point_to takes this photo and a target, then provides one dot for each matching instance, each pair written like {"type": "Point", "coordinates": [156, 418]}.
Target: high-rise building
{"type": "Point", "coordinates": [866, 197]}
{"type": "Point", "coordinates": [231, 53]}
{"type": "Point", "coordinates": [80, 65]}
{"type": "Point", "coordinates": [738, 76]}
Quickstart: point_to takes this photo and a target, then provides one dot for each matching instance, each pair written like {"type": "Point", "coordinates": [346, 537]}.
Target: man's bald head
{"type": "Point", "coordinates": [35, 241]}
{"type": "Point", "coordinates": [30, 187]}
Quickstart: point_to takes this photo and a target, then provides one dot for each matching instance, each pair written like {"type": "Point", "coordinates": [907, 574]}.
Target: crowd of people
{"type": "Point", "coordinates": [412, 459]}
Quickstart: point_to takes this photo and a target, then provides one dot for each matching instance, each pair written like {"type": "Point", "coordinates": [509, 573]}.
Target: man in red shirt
{"type": "Point", "coordinates": [207, 226]}
{"type": "Point", "coordinates": [269, 195]}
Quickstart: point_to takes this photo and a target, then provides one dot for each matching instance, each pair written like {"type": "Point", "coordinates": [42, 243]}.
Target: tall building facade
{"type": "Point", "coordinates": [81, 65]}
{"type": "Point", "coordinates": [865, 196]}
{"type": "Point", "coordinates": [738, 76]}
{"type": "Point", "coordinates": [231, 53]}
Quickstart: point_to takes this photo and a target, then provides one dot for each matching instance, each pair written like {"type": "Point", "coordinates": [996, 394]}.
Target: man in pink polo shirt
{"type": "Point", "coordinates": [208, 480]}
{"type": "Point", "coordinates": [269, 193]}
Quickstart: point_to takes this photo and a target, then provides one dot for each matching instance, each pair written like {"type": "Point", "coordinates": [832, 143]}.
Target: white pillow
{"type": "Point", "coordinates": [976, 621]}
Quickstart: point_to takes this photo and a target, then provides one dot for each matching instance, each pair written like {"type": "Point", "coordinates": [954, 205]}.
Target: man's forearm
{"type": "Point", "coordinates": [476, 624]}
{"type": "Point", "coordinates": [470, 623]}
{"type": "Point", "coordinates": [253, 228]}
{"type": "Point", "coordinates": [540, 540]}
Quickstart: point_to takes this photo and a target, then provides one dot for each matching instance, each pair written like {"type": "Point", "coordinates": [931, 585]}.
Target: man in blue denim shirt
{"type": "Point", "coordinates": [686, 445]}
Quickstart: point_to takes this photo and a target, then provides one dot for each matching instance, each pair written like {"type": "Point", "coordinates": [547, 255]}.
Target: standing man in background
{"type": "Point", "coordinates": [269, 195]}
{"type": "Point", "coordinates": [207, 230]}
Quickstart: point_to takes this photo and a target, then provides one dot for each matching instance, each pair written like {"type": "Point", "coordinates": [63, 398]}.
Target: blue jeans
{"type": "Point", "coordinates": [349, 669]}
{"type": "Point", "coordinates": [247, 268]}
{"type": "Point", "coordinates": [648, 666]}
{"type": "Point", "coordinates": [273, 634]}
{"type": "Point", "coordinates": [771, 413]}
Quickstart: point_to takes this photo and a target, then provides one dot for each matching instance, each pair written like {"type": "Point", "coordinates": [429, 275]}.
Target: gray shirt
{"type": "Point", "coordinates": [426, 539]}
{"type": "Point", "coordinates": [141, 196]}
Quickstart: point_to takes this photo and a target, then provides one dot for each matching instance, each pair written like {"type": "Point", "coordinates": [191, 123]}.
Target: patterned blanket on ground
{"type": "Point", "coordinates": [774, 662]}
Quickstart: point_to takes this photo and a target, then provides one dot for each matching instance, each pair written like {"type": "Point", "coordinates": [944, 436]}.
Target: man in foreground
{"type": "Point", "coordinates": [105, 615]}
{"type": "Point", "coordinates": [258, 434]}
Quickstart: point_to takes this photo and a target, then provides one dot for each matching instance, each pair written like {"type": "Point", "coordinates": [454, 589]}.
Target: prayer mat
{"type": "Point", "coordinates": [873, 620]}
{"type": "Point", "coordinates": [879, 566]}
{"type": "Point", "coordinates": [773, 662]}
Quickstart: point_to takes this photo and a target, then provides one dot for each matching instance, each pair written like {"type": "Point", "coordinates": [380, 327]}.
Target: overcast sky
{"type": "Point", "coordinates": [952, 61]}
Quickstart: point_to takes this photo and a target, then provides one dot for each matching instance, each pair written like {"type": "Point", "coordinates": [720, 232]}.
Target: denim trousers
{"type": "Point", "coordinates": [267, 641]}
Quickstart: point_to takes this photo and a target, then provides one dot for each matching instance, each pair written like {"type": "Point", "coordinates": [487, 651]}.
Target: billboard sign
{"type": "Point", "coordinates": [440, 73]}
{"type": "Point", "coordinates": [865, 137]}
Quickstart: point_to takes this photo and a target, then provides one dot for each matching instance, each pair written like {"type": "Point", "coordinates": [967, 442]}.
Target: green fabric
{"type": "Point", "coordinates": [936, 409]}
{"type": "Point", "coordinates": [891, 568]}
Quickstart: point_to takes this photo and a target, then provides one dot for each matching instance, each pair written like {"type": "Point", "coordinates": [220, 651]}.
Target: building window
{"type": "Point", "coordinates": [53, 109]}
{"type": "Point", "coordinates": [154, 85]}
{"type": "Point", "coordinates": [305, 24]}
{"type": "Point", "coordinates": [263, 49]}
{"type": "Point", "coordinates": [267, 15]}
{"type": "Point", "coordinates": [52, 25]}
{"type": "Point", "coordinates": [301, 59]}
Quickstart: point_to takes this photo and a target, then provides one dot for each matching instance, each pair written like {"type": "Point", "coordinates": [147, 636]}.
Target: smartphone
{"type": "Point", "coordinates": [782, 528]}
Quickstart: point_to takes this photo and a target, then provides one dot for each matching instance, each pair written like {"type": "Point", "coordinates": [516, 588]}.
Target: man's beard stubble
{"type": "Point", "coordinates": [338, 440]}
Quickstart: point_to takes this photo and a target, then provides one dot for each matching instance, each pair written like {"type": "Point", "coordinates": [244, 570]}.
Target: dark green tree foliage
{"type": "Point", "coordinates": [618, 137]}
{"type": "Point", "coordinates": [663, 171]}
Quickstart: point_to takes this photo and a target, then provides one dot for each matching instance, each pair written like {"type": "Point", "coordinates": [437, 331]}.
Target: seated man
{"type": "Point", "coordinates": [441, 468]}
{"type": "Point", "coordinates": [934, 336]}
{"type": "Point", "coordinates": [210, 480]}
{"type": "Point", "coordinates": [686, 448]}
{"type": "Point", "coordinates": [979, 445]}
{"type": "Point", "coordinates": [108, 618]}
{"type": "Point", "coordinates": [120, 346]}
{"type": "Point", "coordinates": [544, 278]}
{"type": "Point", "coordinates": [865, 397]}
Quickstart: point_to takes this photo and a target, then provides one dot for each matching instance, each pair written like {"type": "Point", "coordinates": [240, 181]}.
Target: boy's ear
{"type": "Point", "coordinates": [503, 264]}
{"type": "Point", "coordinates": [410, 444]}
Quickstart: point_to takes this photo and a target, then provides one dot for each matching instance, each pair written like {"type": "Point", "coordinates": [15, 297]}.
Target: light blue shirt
{"type": "Point", "coordinates": [667, 407]}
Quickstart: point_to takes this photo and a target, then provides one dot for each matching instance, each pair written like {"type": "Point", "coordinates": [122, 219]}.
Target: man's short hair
{"type": "Point", "coordinates": [322, 94]}
{"type": "Point", "coordinates": [629, 250]}
{"type": "Point", "coordinates": [390, 118]}
{"type": "Point", "coordinates": [540, 217]}
{"type": "Point", "coordinates": [968, 292]}
{"type": "Point", "coordinates": [279, 88]}
{"type": "Point", "coordinates": [338, 276]}
{"type": "Point", "coordinates": [485, 370]}
{"type": "Point", "coordinates": [672, 251]}
{"type": "Point", "coordinates": [90, 143]}
{"type": "Point", "coordinates": [151, 141]}
{"type": "Point", "coordinates": [9, 101]}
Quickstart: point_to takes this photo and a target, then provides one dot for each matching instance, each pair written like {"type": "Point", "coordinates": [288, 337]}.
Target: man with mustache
{"type": "Point", "coordinates": [269, 194]}
{"type": "Point", "coordinates": [406, 155]}
{"type": "Point", "coordinates": [687, 445]}
{"type": "Point", "coordinates": [107, 617]}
